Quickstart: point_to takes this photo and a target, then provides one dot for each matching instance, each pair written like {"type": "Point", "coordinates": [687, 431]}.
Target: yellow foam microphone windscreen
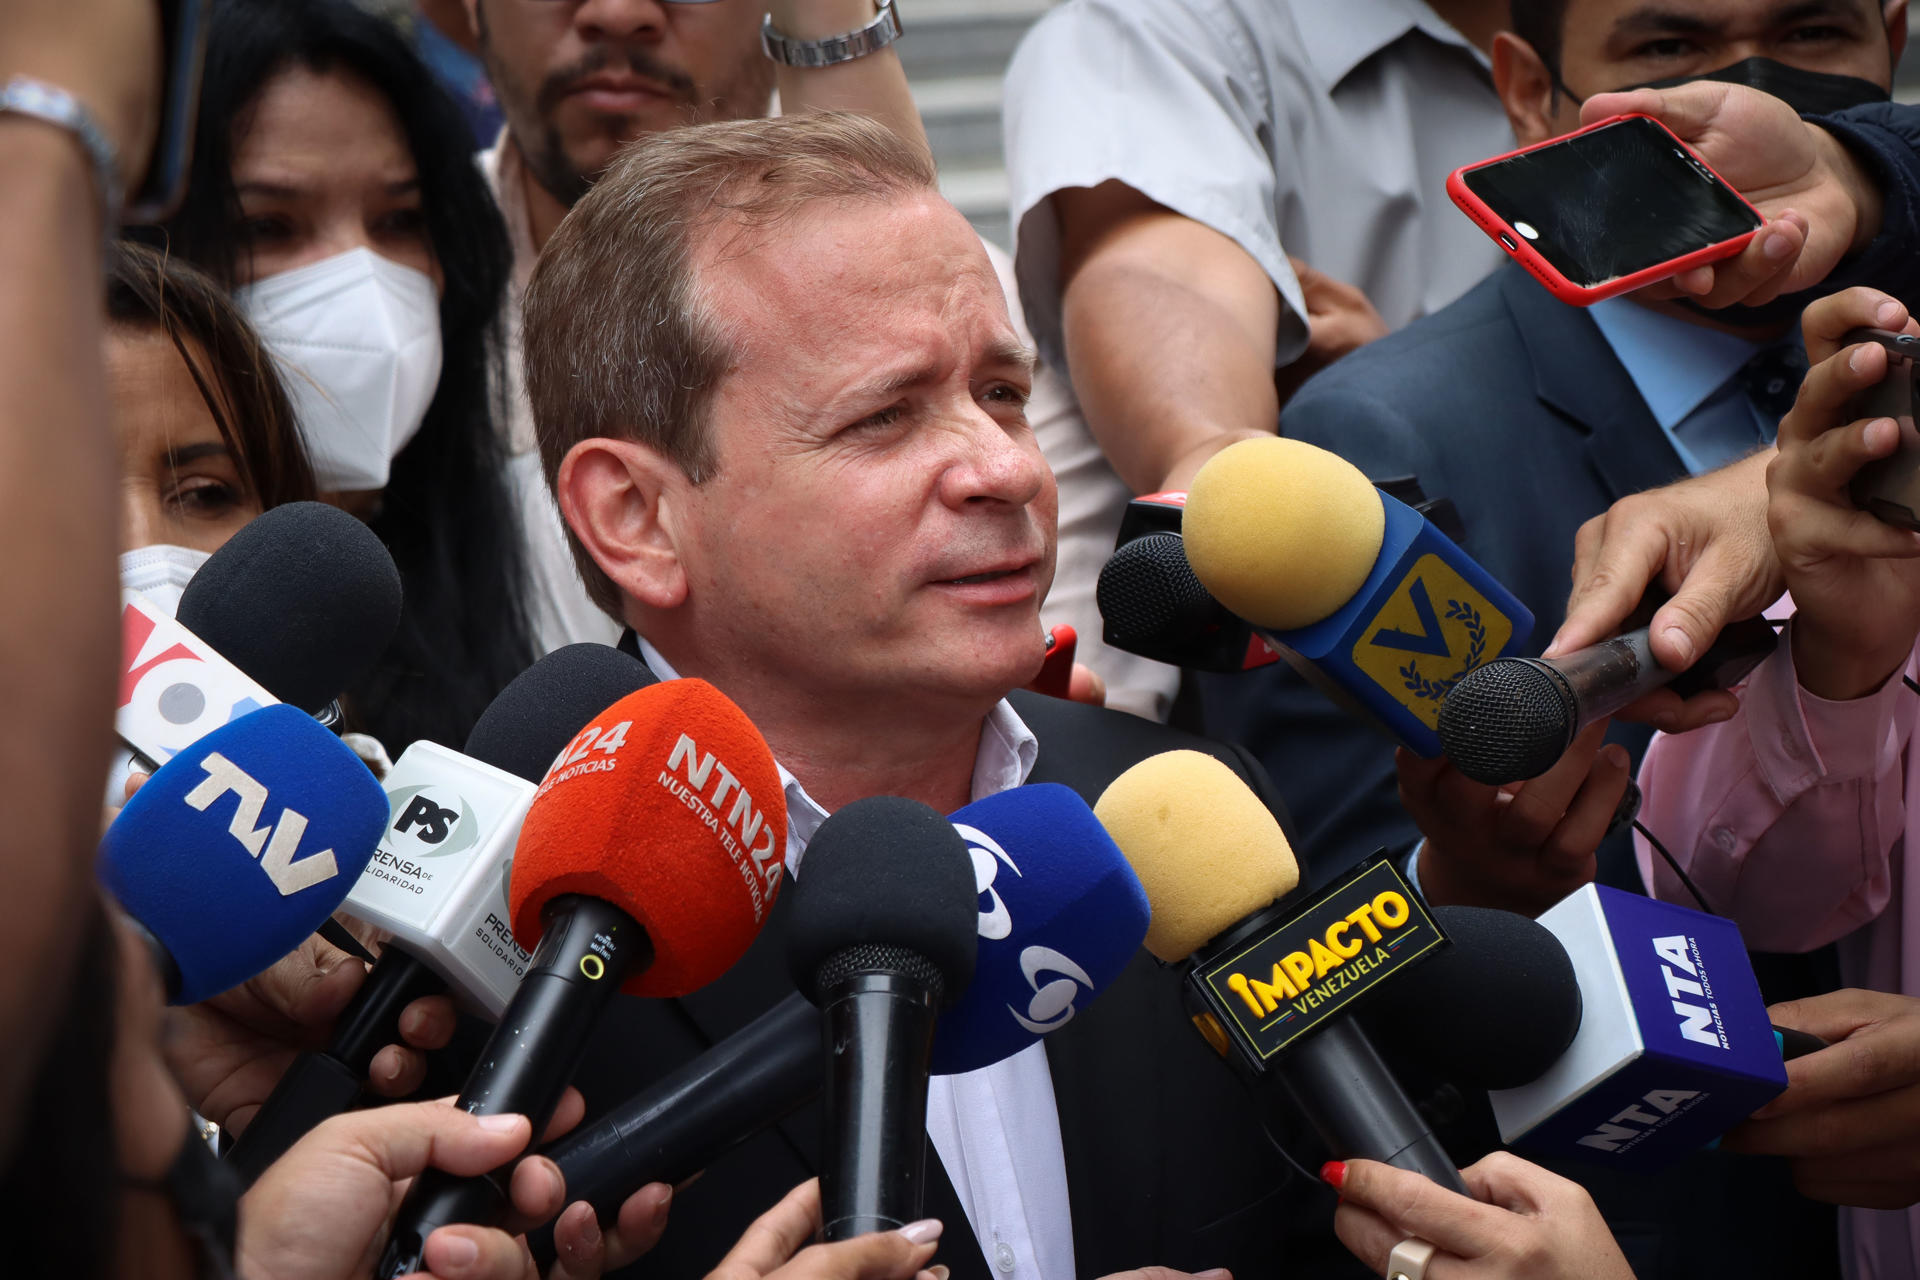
{"type": "Point", "coordinates": [1206, 850]}
{"type": "Point", "coordinates": [1282, 532]}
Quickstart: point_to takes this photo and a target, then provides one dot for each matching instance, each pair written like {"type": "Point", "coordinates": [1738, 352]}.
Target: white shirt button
{"type": "Point", "coordinates": [1003, 1256]}
{"type": "Point", "coordinates": [1723, 838]}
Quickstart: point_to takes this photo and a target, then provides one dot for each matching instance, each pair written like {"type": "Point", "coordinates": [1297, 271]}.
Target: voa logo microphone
{"type": "Point", "coordinates": [273, 847]}
{"type": "Point", "coordinates": [1054, 979]}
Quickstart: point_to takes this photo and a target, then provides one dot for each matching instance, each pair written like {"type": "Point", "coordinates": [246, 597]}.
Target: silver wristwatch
{"type": "Point", "coordinates": [53, 105]}
{"type": "Point", "coordinates": [875, 36]}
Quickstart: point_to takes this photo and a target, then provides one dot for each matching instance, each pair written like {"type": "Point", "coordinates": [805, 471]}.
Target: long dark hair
{"type": "Point", "coordinates": [236, 377]}
{"type": "Point", "coordinates": [448, 514]}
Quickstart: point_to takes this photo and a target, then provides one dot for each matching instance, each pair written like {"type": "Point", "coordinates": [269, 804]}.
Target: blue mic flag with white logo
{"type": "Point", "coordinates": [243, 844]}
{"type": "Point", "coordinates": [1061, 914]}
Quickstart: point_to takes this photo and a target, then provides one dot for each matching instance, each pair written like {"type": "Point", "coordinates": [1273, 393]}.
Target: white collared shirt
{"type": "Point", "coordinates": [996, 1130]}
{"type": "Point", "coordinates": [1305, 127]}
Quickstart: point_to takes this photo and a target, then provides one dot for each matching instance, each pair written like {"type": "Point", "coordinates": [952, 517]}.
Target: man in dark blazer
{"type": "Point", "coordinates": [780, 400]}
{"type": "Point", "coordinates": [1530, 416]}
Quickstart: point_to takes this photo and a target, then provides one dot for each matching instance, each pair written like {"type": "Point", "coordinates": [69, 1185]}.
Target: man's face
{"type": "Point", "coordinates": [880, 522]}
{"type": "Point", "coordinates": [1614, 44]}
{"type": "Point", "coordinates": [577, 79]}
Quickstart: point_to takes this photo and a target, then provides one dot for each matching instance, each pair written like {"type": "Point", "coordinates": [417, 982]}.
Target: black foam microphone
{"type": "Point", "coordinates": [1153, 605]}
{"type": "Point", "coordinates": [1513, 718]}
{"type": "Point", "coordinates": [882, 937]}
{"type": "Point", "coordinates": [304, 599]}
{"type": "Point", "coordinates": [1492, 1011]}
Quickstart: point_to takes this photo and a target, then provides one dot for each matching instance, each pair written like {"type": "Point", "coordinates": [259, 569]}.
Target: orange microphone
{"type": "Point", "coordinates": [649, 859]}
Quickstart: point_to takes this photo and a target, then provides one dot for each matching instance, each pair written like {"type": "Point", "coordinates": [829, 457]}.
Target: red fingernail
{"type": "Point", "coordinates": [1334, 1173]}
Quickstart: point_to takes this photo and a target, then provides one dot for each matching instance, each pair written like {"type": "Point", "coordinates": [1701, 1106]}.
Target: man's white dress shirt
{"type": "Point", "coordinates": [995, 1130]}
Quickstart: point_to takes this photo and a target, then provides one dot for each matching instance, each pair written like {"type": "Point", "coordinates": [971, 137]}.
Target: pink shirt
{"type": "Point", "coordinates": [1792, 818]}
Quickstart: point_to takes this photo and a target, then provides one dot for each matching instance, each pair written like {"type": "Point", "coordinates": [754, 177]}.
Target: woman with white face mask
{"type": "Point", "coordinates": [333, 189]}
{"type": "Point", "coordinates": [206, 437]}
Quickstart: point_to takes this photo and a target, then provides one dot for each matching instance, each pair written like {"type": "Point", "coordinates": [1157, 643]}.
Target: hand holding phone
{"type": "Point", "coordinates": [1607, 210]}
{"type": "Point", "coordinates": [1889, 487]}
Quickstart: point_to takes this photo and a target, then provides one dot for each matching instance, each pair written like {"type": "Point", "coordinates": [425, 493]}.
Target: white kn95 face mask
{"type": "Point", "coordinates": [357, 340]}
{"type": "Point", "coordinates": [160, 572]}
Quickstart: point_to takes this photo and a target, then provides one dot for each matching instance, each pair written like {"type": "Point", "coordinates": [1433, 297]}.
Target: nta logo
{"type": "Point", "coordinates": [274, 846]}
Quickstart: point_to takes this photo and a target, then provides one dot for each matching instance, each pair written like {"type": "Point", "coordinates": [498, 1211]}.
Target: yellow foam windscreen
{"type": "Point", "coordinates": [1206, 850]}
{"type": "Point", "coordinates": [1282, 532]}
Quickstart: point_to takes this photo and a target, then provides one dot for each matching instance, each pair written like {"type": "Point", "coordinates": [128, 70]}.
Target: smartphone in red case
{"type": "Point", "coordinates": [1619, 205]}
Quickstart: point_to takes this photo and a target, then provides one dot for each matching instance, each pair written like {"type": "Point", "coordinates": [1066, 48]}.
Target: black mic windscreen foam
{"type": "Point", "coordinates": [1507, 721]}
{"type": "Point", "coordinates": [888, 875]}
{"type": "Point", "coordinates": [1148, 592]}
{"type": "Point", "coordinates": [304, 599]}
{"type": "Point", "coordinates": [531, 721]}
{"type": "Point", "coordinates": [1493, 1010]}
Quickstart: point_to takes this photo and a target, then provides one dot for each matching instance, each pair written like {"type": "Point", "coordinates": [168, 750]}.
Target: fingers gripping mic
{"type": "Point", "coordinates": [438, 882]}
{"type": "Point", "coordinates": [1270, 983]}
{"type": "Point", "coordinates": [1060, 914]}
{"type": "Point", "coordinates": [1515, 717]}
{"type": "Point", "coordinates": [1359, 592]}
{"type": "Point", "coordinates": [882, 938]}
{"type": "Point", "coordinates": [241, 845]}
{"type": "Point", "coordinates": [647, 863]}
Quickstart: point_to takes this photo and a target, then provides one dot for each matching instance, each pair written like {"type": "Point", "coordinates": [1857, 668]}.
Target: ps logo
{"type": "Point", "coordinates": [996, 922]}
{"type": "Point", "coordinates": [1052, 1003]}
{"type": "Point", "coordinates": [422, 821]}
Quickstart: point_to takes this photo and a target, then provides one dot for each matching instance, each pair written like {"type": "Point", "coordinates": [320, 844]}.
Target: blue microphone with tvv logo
{"type": "Point", "coordinates": [1061, 914]}
{"type": "Point", "coordinates": [238, 847]}
{"type": "Point", "coordinates": [1360, 593]}
{"type": "Point", "coordinates": [437, 883]}
{"type": "Point", "coordinates": [1674, 1046]}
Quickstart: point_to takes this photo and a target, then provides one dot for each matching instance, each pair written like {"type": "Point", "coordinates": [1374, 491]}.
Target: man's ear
{"type": "Point", "coordinates": [1895, 13]}
{"type": "Point", "coordinates": [1525, 87]}
{"type": "Point", "coordinates": [620, 498]}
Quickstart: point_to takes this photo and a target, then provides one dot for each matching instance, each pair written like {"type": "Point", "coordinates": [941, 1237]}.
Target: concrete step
{"type": "Point", "coordinates": [963, 37]}
{"type": "Point", "coordinates": [980, 194]}
{"type": "Point", "coordinates": [962, 115]}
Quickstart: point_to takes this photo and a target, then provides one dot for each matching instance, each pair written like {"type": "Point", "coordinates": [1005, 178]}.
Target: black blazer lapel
{"type": "Point", "coordinates": [1577, 375]}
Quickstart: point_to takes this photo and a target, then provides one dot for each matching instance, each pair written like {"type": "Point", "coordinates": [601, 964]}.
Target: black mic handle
{"type": "Point", "coordinates": [683, 1122]}
{"type": "Point", "coordinates": [315, 1088]}
{"type": "Point", "coordinates": [1343, 1087]}
{"type": "Point", "coordinates": [371, 1021]}
{"type": "Point", "coordinates": [321, 1085]}
{"type": "Point", "coordinates": [877, 1034]}
{"type": "Point", "coordinates": [589, 948]}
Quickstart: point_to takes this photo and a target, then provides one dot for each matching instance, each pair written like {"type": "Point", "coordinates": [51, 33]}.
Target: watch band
{"type": "Point", "coordinates": [876, 35]}
{"type": "Point", "coordinates": [55, 106]}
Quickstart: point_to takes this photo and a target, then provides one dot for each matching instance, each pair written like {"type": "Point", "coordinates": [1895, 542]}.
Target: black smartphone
{"type": "Point", "coordinates": [183, 36]}
{"type": "Point", "coordinates": [1615, 206]}
{"type": "Point", "coordinates": [1890, 487]}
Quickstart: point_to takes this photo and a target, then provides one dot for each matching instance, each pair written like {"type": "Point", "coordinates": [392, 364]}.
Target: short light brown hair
{"type": "Point", "coordinates": [619, 337]}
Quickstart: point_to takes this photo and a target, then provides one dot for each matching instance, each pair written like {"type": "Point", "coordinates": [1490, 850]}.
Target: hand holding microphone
{"type": "Point", "coordinates": [1517, 1222]}
{"type": "Point", "coordinates": [647, 863]}
{"type": "Point", "coordinates": [1853, 1136]}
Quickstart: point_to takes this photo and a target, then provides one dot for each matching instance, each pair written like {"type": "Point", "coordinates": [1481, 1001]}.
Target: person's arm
{"type": "Point", "coordinates": [59, 639]}
{"type": "Point", "coordinates": [1170, 329]}
{"type": "Point", "coordinates": [874, 85]}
